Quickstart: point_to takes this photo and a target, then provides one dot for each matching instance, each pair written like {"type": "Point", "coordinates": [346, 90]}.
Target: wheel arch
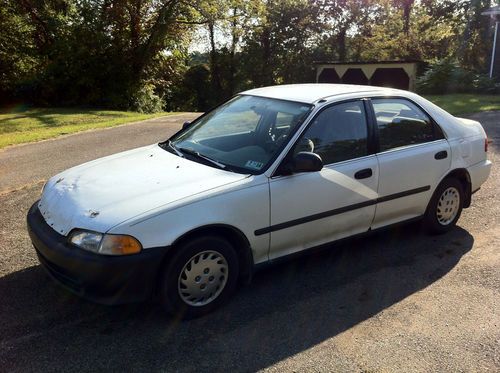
{"type": "Point", "coordinates": [462, 175]}
{"type": "Point", "coordinates": [236, 237]}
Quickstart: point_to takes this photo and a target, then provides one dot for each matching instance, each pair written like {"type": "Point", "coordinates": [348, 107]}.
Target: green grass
{"type": "Point", "coordinates": [466, 103]}
{"type": "Point", "coordinates": [20, 125]}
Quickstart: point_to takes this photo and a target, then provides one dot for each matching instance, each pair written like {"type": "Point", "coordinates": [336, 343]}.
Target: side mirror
{"type": "Point", "coordinates": [306, 162]}
{"type": "Point", "coordinates": [186, 125]}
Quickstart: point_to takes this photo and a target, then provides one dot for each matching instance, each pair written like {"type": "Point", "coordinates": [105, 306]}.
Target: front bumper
{"type": "Point", "coordinates": [99, 278]}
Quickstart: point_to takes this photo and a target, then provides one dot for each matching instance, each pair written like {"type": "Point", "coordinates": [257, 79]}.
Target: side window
{"type": "Point", "coordinates": [401, 123]}
{"type": "Point", "coordinates": [337, 134]}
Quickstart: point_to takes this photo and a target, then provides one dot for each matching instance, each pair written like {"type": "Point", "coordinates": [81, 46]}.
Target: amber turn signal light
{"type": "Point", "coordinates": [117, 244]}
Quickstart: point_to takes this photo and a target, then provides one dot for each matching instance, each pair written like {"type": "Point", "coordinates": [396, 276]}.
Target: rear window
{"type": "Point", "coordinates": [401, 123]}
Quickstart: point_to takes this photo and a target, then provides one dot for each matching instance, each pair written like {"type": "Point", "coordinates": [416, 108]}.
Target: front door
{"type": "Point", "coordinates": [312, 208]}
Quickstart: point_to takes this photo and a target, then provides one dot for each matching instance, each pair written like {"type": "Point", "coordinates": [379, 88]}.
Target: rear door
{"type": "Point", "coordinates": [413, 156]}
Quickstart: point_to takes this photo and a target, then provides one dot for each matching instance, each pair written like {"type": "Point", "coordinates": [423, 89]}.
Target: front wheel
{"type": "Point", "coordinates": [445, 206]}
{"type": "Point", "coordinates": [200, 277]}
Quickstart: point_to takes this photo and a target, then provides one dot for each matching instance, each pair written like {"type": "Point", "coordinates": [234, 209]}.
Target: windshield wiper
{"type": "Point", "coordinates": [174, 148]}
{"type": "Point", "coordinates": [201, 156]}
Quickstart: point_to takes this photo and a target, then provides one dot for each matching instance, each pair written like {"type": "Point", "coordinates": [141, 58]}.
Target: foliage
{"type": "Point", "coordinates": [194, 90]}
{"type": "Point", "coordinates": [446, 76]}
{"type": "Point", "coordinates": [145, 100]}
{"type": "Point", "coordinates": [130, 54]}
{"type": "Point", "coordinates": [92, 52]}
{"type": "Point", "coordinates": [475, 44]}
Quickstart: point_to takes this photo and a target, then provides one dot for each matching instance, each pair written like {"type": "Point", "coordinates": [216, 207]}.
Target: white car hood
{"type": "Point", "coordinates": [103, 193]}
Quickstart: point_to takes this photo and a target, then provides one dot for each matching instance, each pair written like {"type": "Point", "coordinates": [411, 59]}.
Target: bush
{"type": "Point", "coordinates": [145, 100]}
{"type": "Point", "coordinates": [447, 77]}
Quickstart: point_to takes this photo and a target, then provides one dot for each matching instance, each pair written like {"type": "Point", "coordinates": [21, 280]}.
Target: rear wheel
{"type": "Point", "coordinates": [201, 276]}
{"type": "Point", "coordinates": [445, 206]}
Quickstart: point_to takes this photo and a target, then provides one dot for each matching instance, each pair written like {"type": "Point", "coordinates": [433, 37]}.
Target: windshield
{"type": "Point", "coordinates": [244, 135]}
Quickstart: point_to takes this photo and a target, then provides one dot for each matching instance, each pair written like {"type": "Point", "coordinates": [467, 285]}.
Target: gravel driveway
{"type": "Point", "coordinates": [396, 301]}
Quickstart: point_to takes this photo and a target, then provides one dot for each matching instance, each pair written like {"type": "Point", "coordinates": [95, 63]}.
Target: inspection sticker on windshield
{"type": "Point", "coordinates": [254, 164]}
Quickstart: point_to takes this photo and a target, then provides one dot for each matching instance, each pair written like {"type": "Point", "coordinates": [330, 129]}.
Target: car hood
{"type": "Point", "coordinates": [103, 193]}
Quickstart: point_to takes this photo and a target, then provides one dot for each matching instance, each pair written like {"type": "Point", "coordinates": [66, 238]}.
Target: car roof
{"type": "Point", "coordinates": [310, 93]}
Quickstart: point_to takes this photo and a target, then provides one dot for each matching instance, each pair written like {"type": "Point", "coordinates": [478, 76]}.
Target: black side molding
{"type": "Point", "coordinates": [307, 219]}
{"type": "Point", "coordinates": [403, 194]}
{"type": "Point", "coordinates": [341, 210]}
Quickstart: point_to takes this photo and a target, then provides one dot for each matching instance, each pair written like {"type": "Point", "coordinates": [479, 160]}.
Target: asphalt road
{"type": "Point", "coordinates": [397, 301]}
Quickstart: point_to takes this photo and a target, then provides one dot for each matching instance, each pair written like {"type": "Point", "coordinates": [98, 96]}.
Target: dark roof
{"type": "Point", "coordinates": [362, 62]}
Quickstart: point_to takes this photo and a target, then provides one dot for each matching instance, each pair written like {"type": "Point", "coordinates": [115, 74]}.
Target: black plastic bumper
{"type": "Point", "coordinates": [99, 278]}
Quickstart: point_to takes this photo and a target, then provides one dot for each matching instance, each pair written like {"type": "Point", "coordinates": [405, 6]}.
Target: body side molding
{"type": "Point", "coordinates": [341, 210]}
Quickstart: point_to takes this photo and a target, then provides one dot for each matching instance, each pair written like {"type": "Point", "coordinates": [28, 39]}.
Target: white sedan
{"type": "Point", "coordinates": [272, 172]}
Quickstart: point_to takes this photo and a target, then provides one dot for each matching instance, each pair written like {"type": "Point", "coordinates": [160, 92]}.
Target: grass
{"type": "Point", "coordinates": [466, 103]}
{"type": "Point", "coordinates": [20, 125]}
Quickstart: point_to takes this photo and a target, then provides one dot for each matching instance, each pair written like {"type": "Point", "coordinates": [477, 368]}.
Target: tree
{"type": "Point", "coordinates": [341, 19]}
{"type": "Point", "coordinates": [115, 53]}
{"type": "Point", "coordinates": [96, 52]}
{"type": "Point", "coordinates": [475, 46]}
{"type": "Point", "coordinates": [278, 43]}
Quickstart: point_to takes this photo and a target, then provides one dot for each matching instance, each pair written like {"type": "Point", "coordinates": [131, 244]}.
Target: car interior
{"type": "Point", "coordinates": [259, 140]}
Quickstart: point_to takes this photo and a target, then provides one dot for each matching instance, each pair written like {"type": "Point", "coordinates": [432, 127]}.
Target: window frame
{"type": "Point", "coordinates": [437, 132]}
{"type": "Point", "coordinates": [372, 139]}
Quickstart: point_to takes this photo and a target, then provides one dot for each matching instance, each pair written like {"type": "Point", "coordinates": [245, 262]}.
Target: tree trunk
{"type": "Point", "coordinates": [266, 68]}
{"type": "Point", "coordinates": [135, 23]}
{"type": "Point", "coordinates": [43, 39]}
{"type": "Point", "coordinates": [145, 52]}
{"type": "Point", "coordinates": [214, 65]}
{"type": "Point", "coordinates": [341, 42]}
{"type": "Point", "coordinates": [407, 4]}
{"type": "Point", "coordinates": [232, 63]}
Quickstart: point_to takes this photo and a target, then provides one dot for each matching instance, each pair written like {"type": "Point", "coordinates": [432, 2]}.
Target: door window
{"type": "Point", "coordinates": [401, 123]}
{"type": "Point", "coordinates": [337, 134]}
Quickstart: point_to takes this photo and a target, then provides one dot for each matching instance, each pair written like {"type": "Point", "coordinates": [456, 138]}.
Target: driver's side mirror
{"type": "Point", "coordinates": [186, 125]}
{"type": "Point", "coordinates": [305, 162]}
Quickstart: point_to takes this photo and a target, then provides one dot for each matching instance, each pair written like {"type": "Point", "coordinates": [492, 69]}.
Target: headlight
{"type": "Point", "coordinates": [106, 244]}
{"type": "Point", "coordinates": [89, 241]}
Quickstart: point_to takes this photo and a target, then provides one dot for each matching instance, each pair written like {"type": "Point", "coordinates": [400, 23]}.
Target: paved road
{"type": "Point", "coordinates": [397, 301]}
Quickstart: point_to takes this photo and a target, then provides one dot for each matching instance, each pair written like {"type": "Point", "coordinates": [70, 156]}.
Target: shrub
{"type": "Point", "coordinates": [448, 77]}
{"type": "Point", "coordinates": [145, 100]}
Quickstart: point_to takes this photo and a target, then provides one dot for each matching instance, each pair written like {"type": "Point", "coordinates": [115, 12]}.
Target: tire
{"type": "Point", "coordinates": [201, 276]}
{"type": "Point", "coordinates": [445, 206]}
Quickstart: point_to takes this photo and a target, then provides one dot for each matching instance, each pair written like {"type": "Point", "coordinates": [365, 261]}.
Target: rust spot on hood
{"type": "Point", "coordinates": [93, 214]}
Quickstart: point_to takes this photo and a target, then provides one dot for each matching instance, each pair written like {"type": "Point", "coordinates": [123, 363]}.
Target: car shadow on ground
{"type": "Point", "coordinates": [287, 309]}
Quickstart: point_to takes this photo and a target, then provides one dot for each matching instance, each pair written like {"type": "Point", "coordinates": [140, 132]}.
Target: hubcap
{"type": "Point", "coordinates": [448, 205]}
{"type": "Point", "coordinates": [203, 278]}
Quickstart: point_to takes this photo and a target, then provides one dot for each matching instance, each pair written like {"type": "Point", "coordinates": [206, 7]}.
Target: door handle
{"type": "Point", "coordinates": [441, 155]}
{"type": "Point", "coordinates": [363, 174]}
